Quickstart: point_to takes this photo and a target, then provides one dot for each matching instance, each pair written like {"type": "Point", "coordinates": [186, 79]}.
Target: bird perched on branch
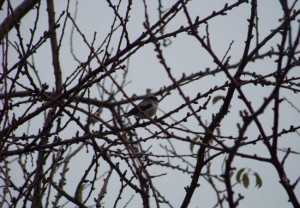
{"type": "Point", "coordinates": [145, 109]}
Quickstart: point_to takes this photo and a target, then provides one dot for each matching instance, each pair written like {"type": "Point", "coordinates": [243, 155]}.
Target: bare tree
{"type": "Point", "coordinates": [66, 143]}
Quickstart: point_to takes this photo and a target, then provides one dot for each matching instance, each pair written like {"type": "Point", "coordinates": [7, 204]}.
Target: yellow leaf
{"type": "Point", "coordinates": [217, 98]}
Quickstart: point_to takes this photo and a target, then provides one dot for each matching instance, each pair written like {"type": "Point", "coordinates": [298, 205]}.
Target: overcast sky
{"type": "Point", "coordinates": [184, 55]}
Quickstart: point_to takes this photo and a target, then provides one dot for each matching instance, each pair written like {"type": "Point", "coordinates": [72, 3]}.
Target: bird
{"type": "Point", "coordinates": [146, 108]}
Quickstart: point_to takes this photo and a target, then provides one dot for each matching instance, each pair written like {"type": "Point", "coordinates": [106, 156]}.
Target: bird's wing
{"type": "Point", "coordinates": [134, 111]}
{"type": "Point", "coordinates": [145, 107]}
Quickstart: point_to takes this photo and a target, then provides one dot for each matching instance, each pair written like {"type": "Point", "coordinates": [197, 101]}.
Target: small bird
{"type": "Point", "coordinates": [147, 108]}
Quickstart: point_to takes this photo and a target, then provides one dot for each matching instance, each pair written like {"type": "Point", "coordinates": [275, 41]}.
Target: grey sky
{"type": "Point", "coordinates": [184, 55]}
